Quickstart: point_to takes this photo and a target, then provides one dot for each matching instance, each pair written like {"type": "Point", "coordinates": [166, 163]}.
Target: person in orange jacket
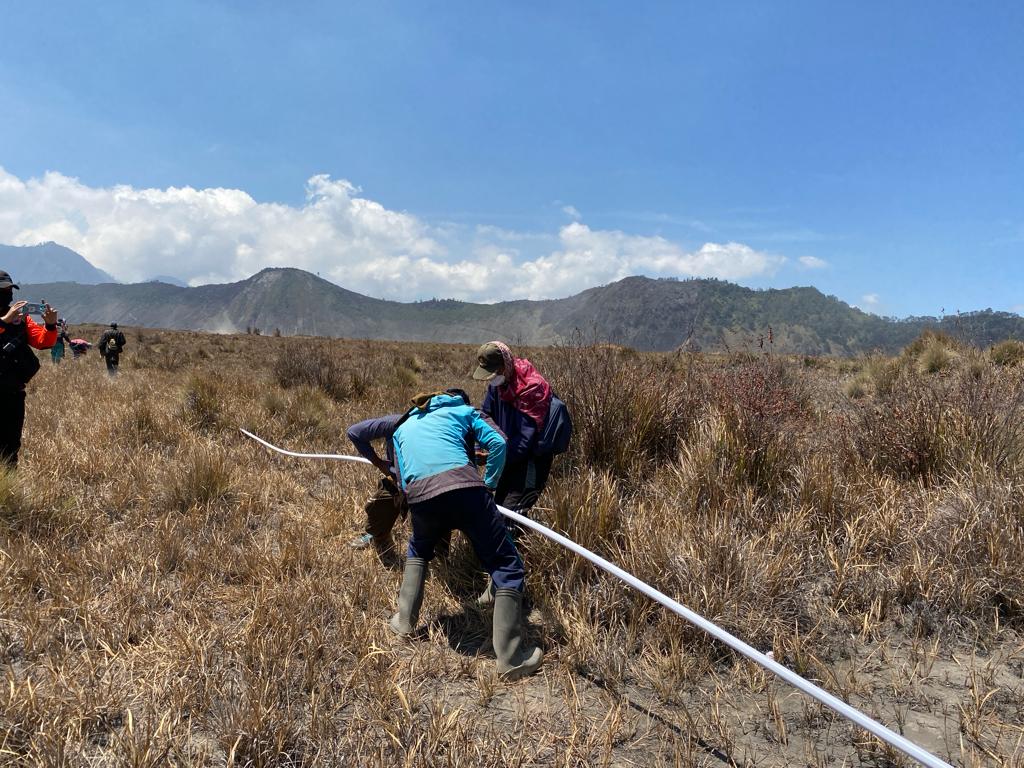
{"type": "Point", "coordinates": [18, 363]}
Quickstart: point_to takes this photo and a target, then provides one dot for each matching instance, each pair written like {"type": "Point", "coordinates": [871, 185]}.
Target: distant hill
{"type": "Point", "coordinates": [49, 263]}
{"type": "Point", "coordinates": [169, 280]}
{"type": "Point", "coordinates": [639, 312]}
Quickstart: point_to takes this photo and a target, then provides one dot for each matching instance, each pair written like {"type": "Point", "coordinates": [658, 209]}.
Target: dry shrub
{"type": "Point", "coordinates": [964, 563]}
{"type": "Point", "coordinates": [274, 402]}
{"type": "Point", "coordinates": [901, 433]}
{"type": "Point", "coordinates": [1007, 353]}
{"type": "Point", "coordinates": [588, 509]}
{"type": "Point", "coordinates": [927, 428]}
{"type": "Point", "coordinates": [36, 509]}
{"type": "Point", "coordinates": [306, 411]}
{"type": "Point", "coordinates": [857, 387]}
{"type": "Point", "coordinates": [142, 423]}
{"type": "Point", "coordinates": [934, 357]}
{"type": "Point", "coordinates": [987, 421]}
{"type": "Point", "coordinates": [312, 364]}
{"type": "Point", "coordinates": [761, 405]}
{"type": "Point", "coordinates": [882, 372]}
{"type": "Point", "coordinates": [203, 477]}
{"type": "Point", "coordinates": [933, 351]}
{"type": "Point", "coordinates": [929, 338]}
{"type": "Point", "coordinates": [202, 408]}
{"type": "Point", "coordinates": [15, 501]}
{"type": "Point", "coordinates": [628, 412]}
{"type": "Point", "coordinates": [405, 377]}
{"type": "Point", "coordinates": [12, 496]}
{"type": "Point", "coordinates": [160, 356]}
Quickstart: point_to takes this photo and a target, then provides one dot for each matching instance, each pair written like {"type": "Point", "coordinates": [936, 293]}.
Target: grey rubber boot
{"type": "Point", "coordinates": [515, 658]}
{"type": "Point", "coordinates": [410, 597]}
{"type": "Point", "coordinates": [487, 596]}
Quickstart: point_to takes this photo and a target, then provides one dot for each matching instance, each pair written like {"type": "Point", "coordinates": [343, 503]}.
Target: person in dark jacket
{"type": "Point", "coordinates": [112, 344]}
{"type": "Point", "coordinates": [518, 399]}
{"type": "Point", "coordinates": [434, 455]}
{"type": "Point", "coordinates": [18, 363]}
{"type": "Point", "coordinates": [387, 503]}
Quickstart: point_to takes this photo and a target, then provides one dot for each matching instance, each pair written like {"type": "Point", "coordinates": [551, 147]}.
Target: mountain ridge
{"type": "Point", "coordinates": [49, 262]}
{"type": "Point", "coordinates": [640, 312]}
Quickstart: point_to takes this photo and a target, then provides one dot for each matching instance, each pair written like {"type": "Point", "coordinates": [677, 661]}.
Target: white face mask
{"type": "Point", "coordinates": [497, 381]}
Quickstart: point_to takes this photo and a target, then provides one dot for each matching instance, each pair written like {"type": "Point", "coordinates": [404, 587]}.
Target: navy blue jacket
{"type": "Point", "coordinates": [520, 430]}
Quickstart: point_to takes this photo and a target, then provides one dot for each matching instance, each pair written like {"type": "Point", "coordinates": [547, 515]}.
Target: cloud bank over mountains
{"type": "Point", "coordinates": [221, 235]}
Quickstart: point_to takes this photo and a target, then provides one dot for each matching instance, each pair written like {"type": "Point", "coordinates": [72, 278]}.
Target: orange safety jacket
{"type": "Point", "coordinates": [39, 336]}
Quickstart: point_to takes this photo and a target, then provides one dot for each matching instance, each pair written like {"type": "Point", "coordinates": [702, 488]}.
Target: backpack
{"type": "Point", "coordinates": [18, 363]}
{"type": "Point", "coordinates": [554, 438]}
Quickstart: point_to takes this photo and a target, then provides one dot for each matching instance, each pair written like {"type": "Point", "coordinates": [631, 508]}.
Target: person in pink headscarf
{"type": "Point", "coordinates": [518, 399]}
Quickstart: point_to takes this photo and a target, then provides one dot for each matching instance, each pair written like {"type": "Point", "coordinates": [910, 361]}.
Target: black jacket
{"type": "Point", "coordinates": [18, 363]}
{"type": "Point", "coordinates": [111, 336]}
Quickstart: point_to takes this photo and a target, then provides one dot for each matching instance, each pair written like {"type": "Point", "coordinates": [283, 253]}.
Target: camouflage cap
{"type": "Point", "coordinates": [489, 360]}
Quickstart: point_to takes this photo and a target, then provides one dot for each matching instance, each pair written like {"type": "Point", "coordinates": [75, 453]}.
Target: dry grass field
{"type": "Point", "coordinates": [173, 594]}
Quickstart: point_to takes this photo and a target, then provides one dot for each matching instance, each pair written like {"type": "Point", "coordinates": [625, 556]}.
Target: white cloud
{"type": "Point", "coordinates": [590, 257]}
{"type": "Point", "coordinates": [870, 302]}
{"type": "Point", "coordinates": [217, 235]}
{"type": "Point", "coordinates": [572, 212]}
{"type": "Point", "coordinates": [813, 262]}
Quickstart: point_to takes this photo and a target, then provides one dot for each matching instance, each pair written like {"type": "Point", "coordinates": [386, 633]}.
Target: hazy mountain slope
{"type": "Point", "coordinates": [49, 263]}
{"type": "Point", "coordinates": [168, 279]}
{"type": "Point", "coordinates": [637, 311]}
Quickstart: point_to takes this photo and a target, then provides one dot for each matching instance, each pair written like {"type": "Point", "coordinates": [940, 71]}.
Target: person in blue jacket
{"type": "Point", "coordinates": [434, 456]}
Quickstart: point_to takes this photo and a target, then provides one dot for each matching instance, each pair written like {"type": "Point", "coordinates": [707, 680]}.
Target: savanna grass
{"type": "Point", "coordinates": [170, 593]}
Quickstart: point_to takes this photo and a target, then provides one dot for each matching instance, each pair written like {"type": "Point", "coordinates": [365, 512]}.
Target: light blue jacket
{"type": "Point", "coordinates": [434, 448]}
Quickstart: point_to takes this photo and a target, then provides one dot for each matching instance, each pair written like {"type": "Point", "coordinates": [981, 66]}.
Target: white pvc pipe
{"type": "Point", "coordinates": [892, 738]}
{"type": "Point", "coordinates": [329, 456]}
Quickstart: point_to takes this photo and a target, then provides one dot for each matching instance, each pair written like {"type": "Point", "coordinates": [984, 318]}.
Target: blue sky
{"type": "Point", "coordinates": [874, 150]}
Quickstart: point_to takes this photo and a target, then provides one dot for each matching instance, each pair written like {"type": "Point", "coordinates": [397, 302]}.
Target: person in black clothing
{"type": "Point", "coordinates": [111, 346]}
{"type": "Point", "coordinates": [18, 364]}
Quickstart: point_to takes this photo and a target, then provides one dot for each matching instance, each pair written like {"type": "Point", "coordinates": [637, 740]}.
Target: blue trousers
{"type": "Point", "coordinates": [472, 511]}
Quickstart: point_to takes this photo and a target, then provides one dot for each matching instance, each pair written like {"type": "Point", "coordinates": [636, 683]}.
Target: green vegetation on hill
{"type": "Point", "coordinates": [638, 312]}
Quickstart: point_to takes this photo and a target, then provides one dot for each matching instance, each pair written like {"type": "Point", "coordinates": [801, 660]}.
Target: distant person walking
{"type": "Point", "coordinates": [79, 347]}
{"type": "Point", "coordinates": [112, 344]}
{"type": "Point", "coordinates": [63, 340]}
{"type": "Point", "coordinates": [18, 363]}
{"type": "Point", "coordinates": [434, 454]}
